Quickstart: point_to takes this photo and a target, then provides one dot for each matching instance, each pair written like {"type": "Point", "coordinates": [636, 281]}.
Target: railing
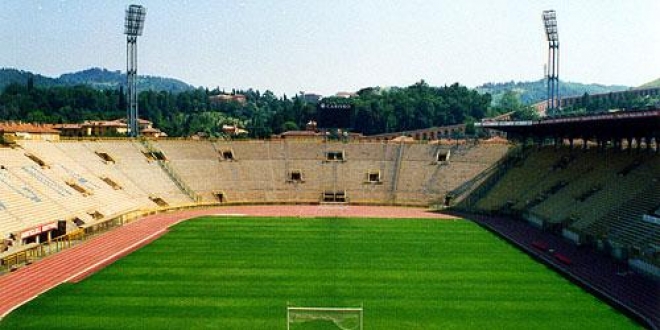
{"type": "Point", "coordinates": [179, 182]}
{"type": "Point", "coordinates": [397, 169]}
{"type": "Point", "coordinates": [172, 173]}
{"type": "Point", "coordinates": [32, 252]}
{"type": "Point", "coordinates": [484, 181]}
{"type": "Point", "coordinates": [471, 184]}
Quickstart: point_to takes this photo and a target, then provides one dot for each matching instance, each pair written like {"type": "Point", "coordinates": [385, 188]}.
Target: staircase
{"type": "Point", "coordinates": [172, 173]}
{"type": "Point", "coordinates": [397, 171]}
{"type": "Point", "coordinates": [477, 187]}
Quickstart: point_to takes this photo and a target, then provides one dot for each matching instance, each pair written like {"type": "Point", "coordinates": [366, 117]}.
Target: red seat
{"type": "Point", "coordinates": [563, 259]}
{"type": "Point", "coordinates": [543, 246]}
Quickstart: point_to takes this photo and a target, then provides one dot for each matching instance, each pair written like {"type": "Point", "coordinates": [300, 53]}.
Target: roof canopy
{"type": "Point", "coordinates": [616, 125]}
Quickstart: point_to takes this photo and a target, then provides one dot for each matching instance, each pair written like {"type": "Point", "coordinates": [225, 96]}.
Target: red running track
{"type": "Point", "coordinates": [75, 264]}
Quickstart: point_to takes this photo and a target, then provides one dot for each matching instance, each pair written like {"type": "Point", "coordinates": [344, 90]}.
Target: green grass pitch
{"type": "Point", "coordinates": [240, 273]}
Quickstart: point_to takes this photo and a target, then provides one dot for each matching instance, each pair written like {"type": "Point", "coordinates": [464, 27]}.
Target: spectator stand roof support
{"type": "Point", "coordinates": [602, 128]}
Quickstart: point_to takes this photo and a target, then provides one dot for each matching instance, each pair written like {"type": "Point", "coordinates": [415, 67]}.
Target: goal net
{"type": "Point", "coordinates": [345, 318]}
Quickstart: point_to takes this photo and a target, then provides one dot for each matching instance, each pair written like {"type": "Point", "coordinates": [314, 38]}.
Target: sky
{"type": "Point", "coordinates": [320, 46]}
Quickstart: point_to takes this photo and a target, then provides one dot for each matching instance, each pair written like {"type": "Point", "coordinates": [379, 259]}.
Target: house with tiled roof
{"type": "Point", "coordinates": [17, 130]}
{"type": "Point", "coordinates": [117, 127]}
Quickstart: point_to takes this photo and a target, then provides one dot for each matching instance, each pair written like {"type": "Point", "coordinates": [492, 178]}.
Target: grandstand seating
{"type": "Point", "coordinates": [44, 182]}
{"type": "Point", "coordinates": [41, 182]}
{"type": "Point", "coordinates": [92, 180]}
{"type": "Point", "coordinates": [599, 195]}
{"type": "Point", "coordinates": [145, 173]}
{"type": "Point", "coordinates": [260, 171]}
{"type": "Point", "coordinates": [30, 197]}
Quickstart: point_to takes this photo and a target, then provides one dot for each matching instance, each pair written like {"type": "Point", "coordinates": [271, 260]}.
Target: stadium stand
{"type": "Point", "coordinates": [589, 196]}
{"type": "Point", "coordinates": [90, 181]}
{"type": "Point", "coordinates": [299, 171]}
{"type": "Point", "coordinates": [93, 193]}
{"type": "Point", "coordinates": [143, 170]}
{"type": "Point", "coordinates": [51, 188]}
{"type": "Point", "coordinates": [591, 185]}
{"type": "Point", "coordinates": [597, 197]}
{"type": "Point", "coordinates": [30, 195]}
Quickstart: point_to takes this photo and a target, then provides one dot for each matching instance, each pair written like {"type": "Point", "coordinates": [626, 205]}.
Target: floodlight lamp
{"type": "Point", "coordinates": [134, 23]}
{"type": "Point", "coordinates": [549, 15]}
{"type": "Point", "coordinates": [550, 23]}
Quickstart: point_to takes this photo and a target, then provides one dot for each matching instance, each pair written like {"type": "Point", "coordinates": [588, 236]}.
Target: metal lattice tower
{"type": "Point", "coordinates": [133, 26]}
{"type": "Point", "coordinates": [550, 23]}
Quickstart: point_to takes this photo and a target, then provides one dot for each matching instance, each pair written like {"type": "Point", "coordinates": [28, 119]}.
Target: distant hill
{"type": "Point", "coordinates": [95, 77]}
{"type": "Point", "coordinates": [651, 84]}
{"type": "Point", "coordinates": [535, 91]}
{"type": "Point", "coordinates": [104, 79]}
{"type": "Point", "coordinates": [10, 76]}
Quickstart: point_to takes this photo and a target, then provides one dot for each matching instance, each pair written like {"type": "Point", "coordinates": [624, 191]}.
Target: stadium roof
{"type": "Point", "coordinates": [622, 124]}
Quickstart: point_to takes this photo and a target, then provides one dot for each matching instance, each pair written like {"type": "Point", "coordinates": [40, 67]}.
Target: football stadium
{"type": "Point", "coordinates": [232, 233]}
{"type": "Point", "coordinates": [395, 208]}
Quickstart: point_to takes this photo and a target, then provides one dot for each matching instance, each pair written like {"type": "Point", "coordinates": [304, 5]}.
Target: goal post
{"type": "Point", "coordinates": [345, 318]}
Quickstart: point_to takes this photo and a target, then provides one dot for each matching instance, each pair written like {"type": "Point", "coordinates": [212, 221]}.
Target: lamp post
{"type": "Point", "coordinates": [550, 23]}
{"type": "Point", "coordinates": [133, 26]}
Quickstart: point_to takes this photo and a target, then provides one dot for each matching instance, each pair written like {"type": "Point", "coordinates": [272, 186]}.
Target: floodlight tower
{"type": "Point", "coordinates": [550, 23]}
{"type": "Point", "coordinates": [133, 26]}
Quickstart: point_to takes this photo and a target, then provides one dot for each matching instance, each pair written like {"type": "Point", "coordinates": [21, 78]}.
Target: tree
{"type": "Point", "coordinates": [525, 113]}
{"type": "Point", "coordinates": [30, 83]}
{"type": "Point", "coordinates": [377, 110]}
{"type": "Point", "coordinates": [289, 126]}
{"type": "Point", "coordinates": [510, 102]}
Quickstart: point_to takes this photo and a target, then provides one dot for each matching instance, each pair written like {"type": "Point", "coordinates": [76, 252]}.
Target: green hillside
{"type": "Point", "coordinates": [97, 78]}
{"type": "Point", "coordinates": [14, 76]}
{"type": "Point", "coordinates": [651, 84]}
{"type": "Point", "coordinates": [535, 91]}
{"type": "Point", "coordinates": [104, 79]}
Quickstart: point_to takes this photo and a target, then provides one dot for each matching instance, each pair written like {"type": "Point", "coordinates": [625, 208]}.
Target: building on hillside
{"type": "Point", "coordinates": [118, 127]}
{"type": "Point", "coordinates": [94, 128]}
{"type": "Point", "coordinates": [233, 130]}
{"type": "Point", "coordinates": [346, 95]}
{"type": "Point", "coordinates": [68, 129]}
{"type": "Point", "coordinates": [224, 98]}
{"type": "Point", "coordinates": [147, 128]}
{"type": "Point", "coordinates": [152, 132]}
{"type": "Point", "coordinates": [12, 131]}
{"type": "Point", "coordinates": [312, 97]}
{"type": "Point", "coordinates": [311, 125]}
